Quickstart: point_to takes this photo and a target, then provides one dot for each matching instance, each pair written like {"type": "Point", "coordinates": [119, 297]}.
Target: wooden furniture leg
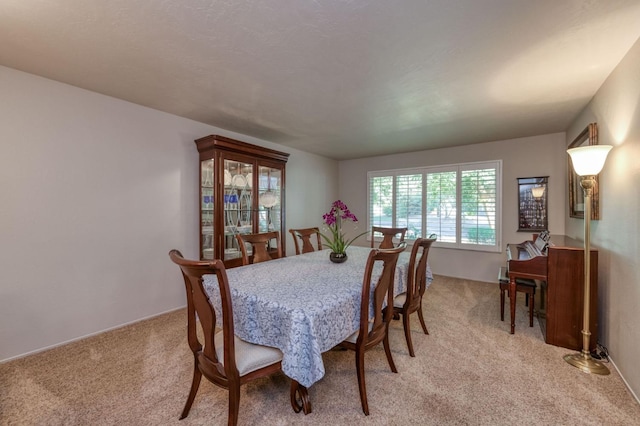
{"type": "Point", "coordinates": [512, 302]}
{"type": "Point", "coordinates": [532, 303]}
{"type": "Point", "coordinates": [300, 398]}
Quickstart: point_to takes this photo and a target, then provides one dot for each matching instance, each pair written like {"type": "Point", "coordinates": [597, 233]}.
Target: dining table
{"type": "Point", "coordinates": [303, 305]}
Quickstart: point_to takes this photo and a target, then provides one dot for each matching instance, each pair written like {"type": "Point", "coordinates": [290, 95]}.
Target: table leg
{"type": "Point", "coordinates": [512, 302]}
{"type": "Point", "coordinates": [300, 398]}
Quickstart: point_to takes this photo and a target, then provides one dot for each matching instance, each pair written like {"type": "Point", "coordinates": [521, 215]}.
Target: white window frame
{"type": "Point", "coordinates": [458, 168]}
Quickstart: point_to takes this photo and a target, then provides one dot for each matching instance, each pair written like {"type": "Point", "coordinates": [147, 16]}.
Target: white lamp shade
{"type": "Point", "coordinates": [589, 160]}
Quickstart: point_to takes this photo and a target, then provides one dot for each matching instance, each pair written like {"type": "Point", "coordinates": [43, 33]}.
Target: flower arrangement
{"type": "Point", "coordinates": [333, 220]}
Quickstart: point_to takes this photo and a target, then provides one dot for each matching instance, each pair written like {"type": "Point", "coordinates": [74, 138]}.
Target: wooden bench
{"type": "Point", "coordinates": [528, 287]}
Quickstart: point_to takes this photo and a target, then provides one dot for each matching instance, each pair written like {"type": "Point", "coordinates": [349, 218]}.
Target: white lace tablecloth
{"type": "Point", "coordinates": [303, 305]}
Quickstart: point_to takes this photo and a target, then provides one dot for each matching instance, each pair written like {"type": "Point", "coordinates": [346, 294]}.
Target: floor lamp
{"type": "Point", "coordinates": [587, 163]}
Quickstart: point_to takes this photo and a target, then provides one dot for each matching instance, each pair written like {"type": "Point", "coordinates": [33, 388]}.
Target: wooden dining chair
{"type": "Point", "coordinates": [304, 235]}
{"type": "Point", "coordinates": [262, 247]}
{"type": "Point", "coordinates": [410, 301]}
{"type": "Point", "coordinates": [222, 358]}
{"type": "Point", "coordinates": [388, 234]}
{"type": "Point", "coordinates": [375, 330]}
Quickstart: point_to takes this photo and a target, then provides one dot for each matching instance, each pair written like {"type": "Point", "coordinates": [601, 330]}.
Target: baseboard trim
{"type": "Point", "coordinates": [624, 381]}
{"type": "Point", "coordinates": [66, 342]}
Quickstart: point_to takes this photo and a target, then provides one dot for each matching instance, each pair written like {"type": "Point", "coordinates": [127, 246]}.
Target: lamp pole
{"type": "Point", "coordinates": [587, 162]}
{"type": "Point", "coordinates": [583, 360]}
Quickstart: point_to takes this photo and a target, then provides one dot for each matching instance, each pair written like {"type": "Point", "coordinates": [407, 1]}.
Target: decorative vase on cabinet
{"type": "Point", "coordinates": [242, 191]}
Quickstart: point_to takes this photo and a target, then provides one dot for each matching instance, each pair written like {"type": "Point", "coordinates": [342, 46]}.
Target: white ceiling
{"type": "Point", "coordinates": [340, 78]}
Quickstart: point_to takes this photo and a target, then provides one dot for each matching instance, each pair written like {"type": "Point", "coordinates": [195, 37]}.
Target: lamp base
{"type": "Point", "coordinates": [587, 364]}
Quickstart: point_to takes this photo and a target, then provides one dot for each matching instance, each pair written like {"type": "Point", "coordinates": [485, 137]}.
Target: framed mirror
{"type": "Point", "coordinates": [589, 136]}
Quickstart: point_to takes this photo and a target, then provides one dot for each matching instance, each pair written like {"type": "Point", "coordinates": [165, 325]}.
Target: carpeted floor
{"type": "Point", "coordinates": [468, 371]}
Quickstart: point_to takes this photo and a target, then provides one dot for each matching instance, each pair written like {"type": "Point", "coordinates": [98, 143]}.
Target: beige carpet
{"type": "Point", "coordinates": [468, 371]}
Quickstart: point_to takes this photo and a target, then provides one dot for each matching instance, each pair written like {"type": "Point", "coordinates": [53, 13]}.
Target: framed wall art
{"type": "Point", "coordinates": [532, 204]}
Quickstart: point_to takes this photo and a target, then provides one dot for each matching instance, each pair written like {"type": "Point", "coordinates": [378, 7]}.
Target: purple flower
{"type": "Point", "coordinates": [329, 218]}
{"type": "Point", "coordinates": [333, 220]}
{"type": "Point", "coordinates": [339, 205]}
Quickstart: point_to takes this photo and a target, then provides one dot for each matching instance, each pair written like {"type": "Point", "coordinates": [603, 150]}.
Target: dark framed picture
{"type": "Point", "coordinates": [532, 204]}
{"type": "Point", "coordinates": [589, 136]}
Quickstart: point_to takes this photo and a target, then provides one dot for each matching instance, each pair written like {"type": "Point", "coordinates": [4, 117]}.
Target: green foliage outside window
{"type": "Point", "coordinates": [482, 235]}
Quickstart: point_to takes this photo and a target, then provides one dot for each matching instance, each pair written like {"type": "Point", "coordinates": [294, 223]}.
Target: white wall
{"type": "Point", "coordinates": [525, 157]}
{"type": "Point", "coordinates": [616, 109]}
{"type": "Point", "coordinates": [311, 188]}
{"type": "Point", "coordinates": [94, 193]}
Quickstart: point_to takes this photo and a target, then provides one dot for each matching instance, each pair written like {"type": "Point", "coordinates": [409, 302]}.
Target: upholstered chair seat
{"type": "Point", "coordinates": [249, 357]}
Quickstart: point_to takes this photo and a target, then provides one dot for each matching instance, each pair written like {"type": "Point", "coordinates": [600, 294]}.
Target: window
{"type": "Point", "coordinates": [459, 203]}
{"type": "Point", "coordinates": [408, 204]}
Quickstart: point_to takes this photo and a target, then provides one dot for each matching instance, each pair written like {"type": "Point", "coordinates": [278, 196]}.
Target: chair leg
{"type": "Point", "coordinates": [195, 384]}
{"type": "Point", "coordinates": [421, 316]}
{"type": "Point", "coordinates": [300, 398]}
{"type": "Point", "coordinates": [501, 305]}
{"type": "Point", "coordinates": [407, 333]}
{"type": "Point", "coordinates": [387, 350]}
{"type": "Point", "coordinates": [361, 384]}
{"type": "Point", "coordinates": [234, 404]}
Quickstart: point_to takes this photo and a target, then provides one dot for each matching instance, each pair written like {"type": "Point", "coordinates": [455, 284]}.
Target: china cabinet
{"type": "Point", "coordinates": [241, 192]}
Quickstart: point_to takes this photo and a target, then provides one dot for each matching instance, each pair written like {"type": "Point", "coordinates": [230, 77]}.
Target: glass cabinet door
{"type": "Point", "coordinates": [238, 204]}
{"type": "Point", "coordinates": [206, 209]}
{"type": "Point", "coordinates": [269, 199]}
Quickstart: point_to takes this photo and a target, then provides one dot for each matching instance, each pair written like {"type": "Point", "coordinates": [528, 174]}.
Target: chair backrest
{"type": "Point", "coordinates": [387, 236]}
{"type": "Point", "coordinates": [305, 235]}
{"type": "Point", "coordinates": [417, 273]}
{"type": "Point", "coordinates": [262, 247]}
{"type": "Point", "coordinates": [198, 305]}
{"type": "Point", "coordinates": [383, 292]}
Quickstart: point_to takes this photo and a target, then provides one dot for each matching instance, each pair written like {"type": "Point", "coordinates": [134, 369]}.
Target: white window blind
{"type": "Point", "coordinates": [408, 204]}
{"type": "Point", "coordinates": [478, 209]}
{"type": "Point", "coordinates": [380, 201]}
{"type": "Point", "coordinates": [442, 205]}
{"type": "Point", "coordinates": [459, 203]}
